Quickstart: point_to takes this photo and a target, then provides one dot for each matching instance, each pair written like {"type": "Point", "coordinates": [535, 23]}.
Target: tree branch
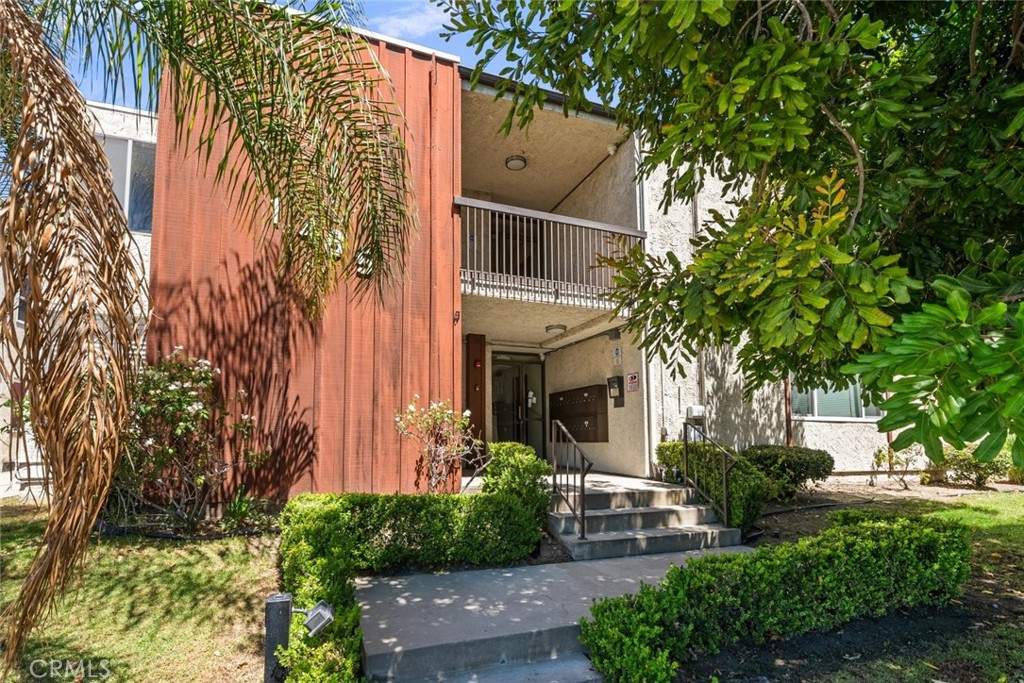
{"type": "Point", "coordinates": [832, 10]}
{"type": "Point", "coordinates": [860, 163]}
{"type": "Point", "coordinates": [974, 40]}
{"type": "Point", "coordinates": [1018, 26]}
{"type": "Point", "coordinates": [808, 23]}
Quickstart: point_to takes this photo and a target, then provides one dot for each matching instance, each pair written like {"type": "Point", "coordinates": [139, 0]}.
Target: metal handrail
{"type": "Point", "coordinates": [698, 477]}
{"type": "Point", "coordinates": [569, 479]}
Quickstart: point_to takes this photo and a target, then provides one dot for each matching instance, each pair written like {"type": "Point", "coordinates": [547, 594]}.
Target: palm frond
{"type": "Point", "coordinates": [63, 233]}
{"type": "Point", "coordinates": [292, 111]}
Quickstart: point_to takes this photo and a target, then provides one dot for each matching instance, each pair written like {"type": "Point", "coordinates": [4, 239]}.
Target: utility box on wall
{"type": "Point", "coordinates": [583, 411]}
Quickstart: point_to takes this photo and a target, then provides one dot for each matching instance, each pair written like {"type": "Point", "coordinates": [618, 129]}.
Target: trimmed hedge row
{"type": "Point", "coordinates": [749, 489]}
{"type": "Point", "coordinates": [789, 468]}
{"type": "Point", "coordinates": [861, 567]}
{"type": "Point", "coordinates": [326, 539]}
{"type": "Point", "coordinates": [402, 531]}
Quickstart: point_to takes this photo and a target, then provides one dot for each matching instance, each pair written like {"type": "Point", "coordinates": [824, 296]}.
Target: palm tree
{"type": "Point", "coordinates": [314, 157]}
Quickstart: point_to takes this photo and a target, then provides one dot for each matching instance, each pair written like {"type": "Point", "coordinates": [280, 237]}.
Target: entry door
{"type": "Point", "coordinates": [517, 400]}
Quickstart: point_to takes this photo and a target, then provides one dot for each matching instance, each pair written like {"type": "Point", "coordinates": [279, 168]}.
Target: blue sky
{"type": "Point", "coordinates": [415, 21]}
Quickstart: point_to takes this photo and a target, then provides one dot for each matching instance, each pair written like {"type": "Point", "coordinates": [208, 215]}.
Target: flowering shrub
{"type": "Point", "coordinates": [444, 437]}
{"type": "Point", "coordinates": [174, 461]}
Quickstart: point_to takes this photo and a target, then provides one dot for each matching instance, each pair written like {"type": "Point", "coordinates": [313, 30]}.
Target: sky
{"type": "Point", "coordinates": [415, 21]}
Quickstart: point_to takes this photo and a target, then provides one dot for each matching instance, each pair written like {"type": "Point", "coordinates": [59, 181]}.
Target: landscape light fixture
{"type": "Point", "coordinates": [516, 162]}
{"type": "Point", "coordinates": [555, 329]}
{"type": "Point", "coordinates": [278, 613]}
{"type": "Point", "coordinates": [318, 617]}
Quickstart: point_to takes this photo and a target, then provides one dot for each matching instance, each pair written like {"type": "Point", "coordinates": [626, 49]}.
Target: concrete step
{"type": "Point", "coordinates": [606, 544]}
{"type": "Point", "coordinates": [601, 520]}
{"type": "Point", "coordinates": [434, 663]}
{"type": "Point", "coordinates": [632, 498]}
{"type": "Point", "coordinates": [571, 668]}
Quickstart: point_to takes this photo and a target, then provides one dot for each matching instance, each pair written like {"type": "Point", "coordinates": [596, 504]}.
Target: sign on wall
{"type": "Point", "coordinates": [633, 381]}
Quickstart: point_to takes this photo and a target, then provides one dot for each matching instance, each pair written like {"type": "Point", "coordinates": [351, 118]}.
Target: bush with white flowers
{"type": "Point", "coordinates": [444, 438]}
{"type": "Point", "coordinates": [174, 461]}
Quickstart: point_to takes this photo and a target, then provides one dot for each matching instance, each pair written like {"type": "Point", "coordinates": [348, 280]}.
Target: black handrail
{"type": "Point", "coordinates": [698, 477]}
{"type": "Point", "coordinates": [569, 479]}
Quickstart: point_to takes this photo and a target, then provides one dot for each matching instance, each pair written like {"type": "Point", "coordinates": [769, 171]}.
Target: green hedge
{"type": "Point", "coordinates": [406, 531]}
{"type": "Point", "coordinates": [326, 539]}
{"type": "Point", "coordinates": [515, 469]}
{"type": "Point", "coordinates": [789, 468]}
{"type": "Point", "coordinates": [749, 489]}
{"type": "Point", "coordinates": [861, 567]}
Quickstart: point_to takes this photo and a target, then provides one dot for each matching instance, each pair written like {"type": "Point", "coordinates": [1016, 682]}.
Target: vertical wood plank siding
{"type": "Point", "coordinates": [325, 394]}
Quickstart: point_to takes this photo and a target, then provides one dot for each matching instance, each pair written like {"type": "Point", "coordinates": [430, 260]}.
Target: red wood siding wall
{"type": "Point", "coordinates": [325, 394]}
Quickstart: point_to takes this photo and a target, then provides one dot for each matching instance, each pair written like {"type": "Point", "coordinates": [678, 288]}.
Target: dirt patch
{"type": "Point", "coordinates": [819, 656]}
{"type": "Point", "coordinates": [550, 551]}
{"type": "Point", "coordinates": [890, 486]}
{"type": "Point", "coordinates": [825, 656]}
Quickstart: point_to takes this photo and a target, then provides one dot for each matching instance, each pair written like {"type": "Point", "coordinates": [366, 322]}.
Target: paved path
{"type": "Point", "coordinates": [402, 613]}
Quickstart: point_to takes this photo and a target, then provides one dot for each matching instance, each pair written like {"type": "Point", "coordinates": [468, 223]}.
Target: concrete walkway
{"type": "Point", "coordinates": [415, 626]}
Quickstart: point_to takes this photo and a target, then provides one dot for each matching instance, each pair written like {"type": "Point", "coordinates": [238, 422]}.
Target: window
{"type": "Point", "coordinates": [133, 164]}
{"type": "Point", "coordinates": [827, 402]}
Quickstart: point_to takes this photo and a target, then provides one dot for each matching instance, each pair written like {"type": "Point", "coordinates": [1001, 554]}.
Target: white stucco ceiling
{"type": "Point", "coordinates": [560, 152]}
{"type": "Point", "coordinates": [506, 323]}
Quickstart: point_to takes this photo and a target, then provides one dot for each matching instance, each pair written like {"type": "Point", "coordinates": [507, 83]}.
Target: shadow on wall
{"type": "Point", "coordinates": [739, 423]}
{"type": "Point", "coordinates": [246, 325]}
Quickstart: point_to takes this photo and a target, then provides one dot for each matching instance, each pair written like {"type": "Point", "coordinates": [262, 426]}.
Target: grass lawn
{"type": "Point", "coordinates": [980, 639]}
{"type": "Point", "coordinates": [156, 611]}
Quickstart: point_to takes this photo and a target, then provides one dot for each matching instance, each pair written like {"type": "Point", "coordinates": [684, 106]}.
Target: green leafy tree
{"type": "Point", "coordinates": [873, 155]}
{"type": "Point", "coordinates": [292, 114]}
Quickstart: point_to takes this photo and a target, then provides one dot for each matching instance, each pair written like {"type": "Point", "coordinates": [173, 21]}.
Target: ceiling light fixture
{"type": "Point", "coordinates": [555, 329]}
{"type": "Point", "coordinates": [516, 162]}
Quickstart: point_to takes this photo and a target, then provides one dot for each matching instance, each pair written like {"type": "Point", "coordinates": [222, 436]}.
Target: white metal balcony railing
{"type": "Point", "coordinates": [524, 255]}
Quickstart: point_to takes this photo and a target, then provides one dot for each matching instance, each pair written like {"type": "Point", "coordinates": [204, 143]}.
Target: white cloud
{"type": "Point", "coordinates": [410, 20]}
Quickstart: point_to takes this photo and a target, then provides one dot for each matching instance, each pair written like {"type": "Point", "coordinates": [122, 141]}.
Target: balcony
{"type": "Point", "coordinates": [524, 255]}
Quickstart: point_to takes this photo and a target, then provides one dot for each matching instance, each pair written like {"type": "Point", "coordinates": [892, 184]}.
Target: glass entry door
{"type": "Point", "coordinates": [517, 399]}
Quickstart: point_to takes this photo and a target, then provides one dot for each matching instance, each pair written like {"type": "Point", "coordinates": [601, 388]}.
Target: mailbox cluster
{"type": "Point", "coordinates": [583, 411]}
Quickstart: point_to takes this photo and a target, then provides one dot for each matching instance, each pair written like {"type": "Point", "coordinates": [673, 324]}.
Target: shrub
{"type": "Point", "coordinates": [514, 469]}
{"type": "Point", "coordinates": [790, 468]}
{"type": "Point", "coordinates": [1015, 475]}
{"type": "Point", "coordinates": [400, 531]}
{"type": "Point", "coordinates": [963, 468]}
{"type": "Point", "coordinates": [860, 567]}
{"type": "Point", "coordinates": [445, 440]}
{"type": "Point", "coordinates": [174, 458]}
{"type": "Point", "coordinates": [749, 489]}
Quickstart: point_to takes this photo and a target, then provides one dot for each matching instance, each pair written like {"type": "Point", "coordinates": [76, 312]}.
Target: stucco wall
{"type": "Point", "coordinates": [731, 419]}
{"type": "Point", "coordinates": [608, 194]}
{"type": "Point", "coordinates": [590, 362]}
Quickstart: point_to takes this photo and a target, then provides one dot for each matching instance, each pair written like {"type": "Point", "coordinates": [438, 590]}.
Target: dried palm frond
{"type": "Point", "coordinates": [294, 115]}
{"type": "Point", "coordinates": [63, 233]}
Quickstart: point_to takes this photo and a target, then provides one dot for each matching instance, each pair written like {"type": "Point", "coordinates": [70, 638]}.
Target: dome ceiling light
{"type": "Point", "coordinates": [516, 162]}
